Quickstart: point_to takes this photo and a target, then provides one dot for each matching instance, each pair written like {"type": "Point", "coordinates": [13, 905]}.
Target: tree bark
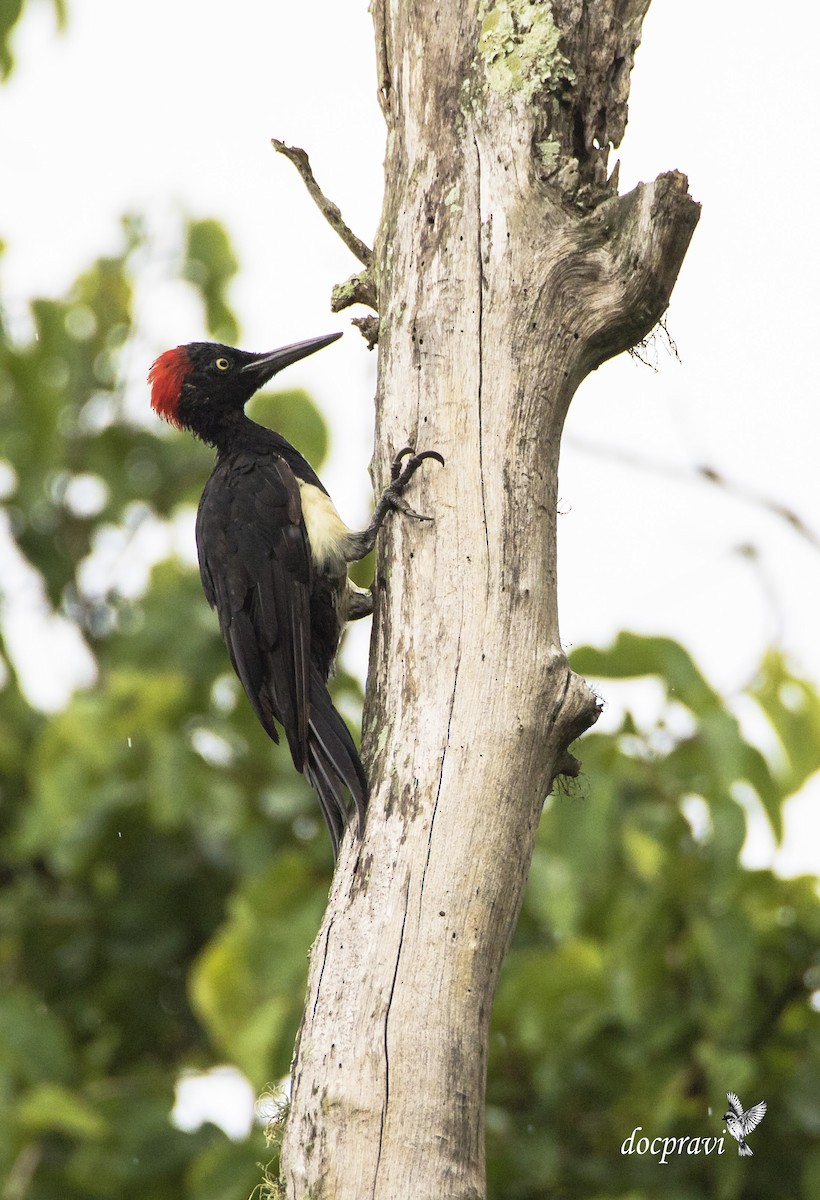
{"type": "Point", "coordinates": [506, 268]}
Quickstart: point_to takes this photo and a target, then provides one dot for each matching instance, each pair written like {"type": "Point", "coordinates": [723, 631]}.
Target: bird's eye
{"type": "Point", "coordinates": [222, 364]}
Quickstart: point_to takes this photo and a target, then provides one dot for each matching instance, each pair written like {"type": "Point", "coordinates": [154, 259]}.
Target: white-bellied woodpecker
{"type": "Point", "coordinates": [273, 556]}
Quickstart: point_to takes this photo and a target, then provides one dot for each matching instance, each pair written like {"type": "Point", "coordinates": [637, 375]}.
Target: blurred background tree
{"type": "Point", "coordinates": [163, 870]}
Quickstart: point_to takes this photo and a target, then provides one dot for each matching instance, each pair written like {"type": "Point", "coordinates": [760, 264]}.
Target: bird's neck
{"type": "Point", "coordinates": [232, 432]}
{"type": "Point", "coordinates": [225, 429]}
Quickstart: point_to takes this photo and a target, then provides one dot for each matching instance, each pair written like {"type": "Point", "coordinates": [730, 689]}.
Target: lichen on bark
{"type": "Point", "coordinates": [519, 45]}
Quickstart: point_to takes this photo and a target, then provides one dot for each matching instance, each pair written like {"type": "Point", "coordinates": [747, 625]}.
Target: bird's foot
{"type": "Point", "coordinates": [401, 473]}
{"type": "Point", "coordinates": [360, 602]}
{"type": "Point", "coordinates": [360, 544]}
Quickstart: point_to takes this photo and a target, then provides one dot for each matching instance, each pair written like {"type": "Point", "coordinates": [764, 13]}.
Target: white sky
{"type": "Point", "coordinates": [166, 103]}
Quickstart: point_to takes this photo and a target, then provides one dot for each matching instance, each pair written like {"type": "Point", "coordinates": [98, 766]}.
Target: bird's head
{"type": "Point", "coordinates": [196, 386]}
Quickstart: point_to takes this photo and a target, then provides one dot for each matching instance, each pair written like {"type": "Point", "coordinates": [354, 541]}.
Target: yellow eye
{"type": "Point", "coordinates": [222, 364]}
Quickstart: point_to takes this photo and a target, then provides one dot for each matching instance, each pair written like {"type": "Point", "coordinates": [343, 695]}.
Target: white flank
{"type": "Point", "coordinates": [325, 528]}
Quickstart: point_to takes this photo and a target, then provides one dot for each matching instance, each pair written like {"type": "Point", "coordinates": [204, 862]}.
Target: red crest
{"type": "Point", "coordinates": [166, 377]}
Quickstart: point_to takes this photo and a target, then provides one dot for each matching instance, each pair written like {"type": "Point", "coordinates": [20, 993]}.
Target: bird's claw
{"type": "Point", "coordinates": [395, 469]}
{"type": "Point", "coordinates": [402, 506]}
{"type": "Point", "coordinates": [401, 476]}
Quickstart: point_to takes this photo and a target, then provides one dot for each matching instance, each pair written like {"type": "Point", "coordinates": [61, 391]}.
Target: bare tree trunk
{"type": "Point", "coordinates": [506, 268]}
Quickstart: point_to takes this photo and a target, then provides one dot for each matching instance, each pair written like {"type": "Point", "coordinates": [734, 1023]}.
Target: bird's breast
{"type": "Point", "coordinates": [327, 532]}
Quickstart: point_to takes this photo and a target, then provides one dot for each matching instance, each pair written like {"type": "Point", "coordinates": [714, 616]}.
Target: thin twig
{"type": "Point", "coordinates": [702, 471]}
{"type": "Point", "coordinates": [327, 208]}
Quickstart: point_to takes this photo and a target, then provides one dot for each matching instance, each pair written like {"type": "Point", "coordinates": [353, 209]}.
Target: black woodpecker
{"type": "Point", "coordinates": [273, 555]}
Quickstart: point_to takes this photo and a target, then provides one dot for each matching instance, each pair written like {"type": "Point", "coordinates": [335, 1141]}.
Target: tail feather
{"type": "Point", "coordinates": [333, 763]}
{"type": "Point", "coordinates": [331, 800]}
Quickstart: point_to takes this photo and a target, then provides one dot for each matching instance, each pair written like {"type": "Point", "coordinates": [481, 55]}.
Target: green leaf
{"type": "Point", "coordinates": [102, 753]}
{"type": "Point", "coordinates": [10, 11]}
{"type": "Point", "coordinates": [249, 984]}
{"type": "Point", "coordinates": [50, 1108]}
{"type": "Point", "coordinates": [34, 1045]}
{"type": "Point", "coordinates": [792, 705]}
{"type": "Point", "coordinates": [210, 264]}
{"type": "Point", "coordinates": [633, 655]}
{"type": "Point", "coordinates": [296, 417]}
{"type": "Point", "coordinates": [227, 1171]}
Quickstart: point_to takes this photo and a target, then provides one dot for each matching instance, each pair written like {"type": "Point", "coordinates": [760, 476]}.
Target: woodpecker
{"type": "Point", "coordinates": [273, 556]}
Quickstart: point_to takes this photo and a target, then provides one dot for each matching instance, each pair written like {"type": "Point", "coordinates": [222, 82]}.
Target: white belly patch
{"type": "Point", "coordinates": [326, 530]}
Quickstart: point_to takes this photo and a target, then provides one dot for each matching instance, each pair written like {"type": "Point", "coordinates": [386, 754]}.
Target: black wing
{"type": "Point", "coordinates": [254, 560]}
{"type": "Point", "coordinates": [255, 566]}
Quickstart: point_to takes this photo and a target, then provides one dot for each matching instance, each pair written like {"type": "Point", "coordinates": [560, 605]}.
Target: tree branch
{"type": "Point", "coordinates": [368, 327]}
{"type": "Point", "coordinates": [358, 289]}
{"type": "Point", "coordinates": [327, 208]}
{"type": "Point", "coordinates": [636, 247]}
{"type": "Point", "coordinates": [703, 472]}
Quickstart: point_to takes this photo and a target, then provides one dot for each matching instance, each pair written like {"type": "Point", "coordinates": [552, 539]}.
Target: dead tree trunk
{"type": "Point", "coordinates": [506, 268]}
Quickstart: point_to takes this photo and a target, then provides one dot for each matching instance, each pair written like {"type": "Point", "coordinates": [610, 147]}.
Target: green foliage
{"type": "Point", "coordinates": [163, 868]}
{"type": "Point", "coordinates": [248, 985]}
{"type": "Point", "coordinates": [296, 418]}
{"type": "Point", "coordinates": [10, 14]}
{"type": "Point", "coordinates": [650, 973]}
{"type": "Point", "coordinates": [210, 264]}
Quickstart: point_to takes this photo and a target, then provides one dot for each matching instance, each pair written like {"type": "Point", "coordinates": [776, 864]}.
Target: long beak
{"type": "Point", "coordinates": [264, 366]}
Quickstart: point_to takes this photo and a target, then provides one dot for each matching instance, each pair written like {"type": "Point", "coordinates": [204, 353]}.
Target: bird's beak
{"type": "Point", "coordinates": [264, 366]}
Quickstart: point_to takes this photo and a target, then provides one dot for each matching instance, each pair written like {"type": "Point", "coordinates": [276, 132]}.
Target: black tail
{"type": "Point", "coordinates": [333, 764]}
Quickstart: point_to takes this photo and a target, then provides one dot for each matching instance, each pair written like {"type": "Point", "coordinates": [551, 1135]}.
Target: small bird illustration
{"type": "Point", "coordinates": [740, 1123]}
{"type": "Point", "coordinates": [273, 556]}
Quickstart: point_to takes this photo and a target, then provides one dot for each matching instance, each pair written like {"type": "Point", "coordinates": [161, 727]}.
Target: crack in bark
{"type": "Point", "coordinates": [386, 1055]}
{"type": "Point", "coordinates": [481, 353]}
{"type": "Point", "coordinates": [415, 440]}
{"type": "Point", "coordinates": [443, 757]}
{"type": "Point", "coordinates": [384, 82]}
{"type": "Point", "coordinates": [559, 704]}
{"type": "Point", "coordinates": [322, 968]}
